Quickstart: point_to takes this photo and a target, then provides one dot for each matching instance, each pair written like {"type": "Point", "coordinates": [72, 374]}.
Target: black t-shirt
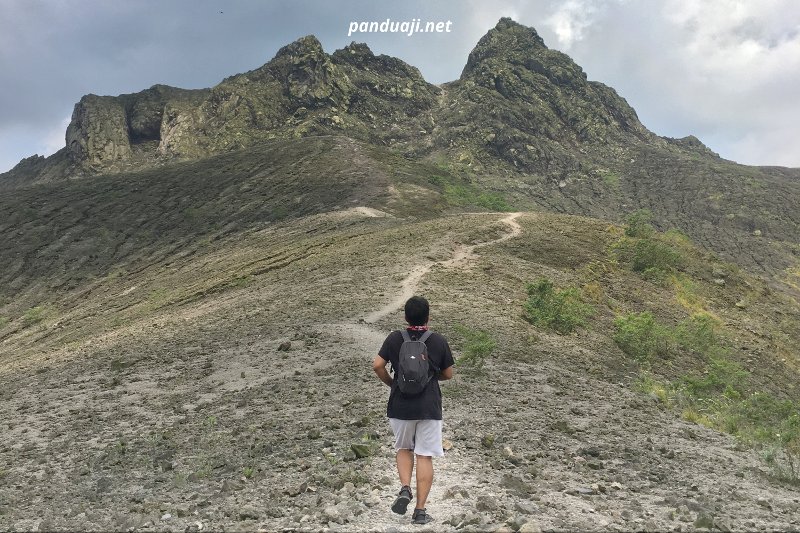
{"type": "Point", "coordinates": [428, 404]}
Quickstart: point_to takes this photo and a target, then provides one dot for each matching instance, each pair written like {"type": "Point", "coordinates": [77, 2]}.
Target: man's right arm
{"type": "Point", "coordinates": [379, 366]}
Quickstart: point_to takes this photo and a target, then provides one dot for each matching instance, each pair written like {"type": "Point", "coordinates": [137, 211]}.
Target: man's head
{"type": "Point", "coordinates": [417, 310]}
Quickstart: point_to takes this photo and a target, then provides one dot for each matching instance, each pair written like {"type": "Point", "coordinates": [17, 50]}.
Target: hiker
{"type": "Point", "coordinates": [415, 415]}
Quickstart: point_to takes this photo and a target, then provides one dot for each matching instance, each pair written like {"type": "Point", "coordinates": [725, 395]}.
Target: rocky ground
{"type": "Point", "coordinates": [194, 422]}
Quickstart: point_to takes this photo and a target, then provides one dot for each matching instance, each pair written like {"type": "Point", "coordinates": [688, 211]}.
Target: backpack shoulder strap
{"type": "Point", "coordinates": [406, 336]}
{"type": "Point", "coordinates": [425, 336]}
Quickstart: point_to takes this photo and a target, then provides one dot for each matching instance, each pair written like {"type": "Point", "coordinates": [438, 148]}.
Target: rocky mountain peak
{"type": "Point", "coordinates": [301, 48]}
{"type": "Point", "coordinates": [507, 40]}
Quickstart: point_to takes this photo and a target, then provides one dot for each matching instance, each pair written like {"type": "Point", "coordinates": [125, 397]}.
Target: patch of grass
{"type": "Point", "coordinates": [699, 334]}
{"type": "Point", "coordinates": [561, 310]}
{"type": "Point", "coordinates": [720, 396]}
{"type": "Point", "coordinates": [462, 193]}
{"type": "Point", "coordinates": [611, 179]}
{"type": "Point", "coordinates": [4, 320]}
{"type": "Point", "coordinates": [34, 315]}
{"type": "Point", "coordinates": [458, 194]}
{"type": "Point", "coordinates": [242, 281]}
{"type": "Point", "coordinates": [651, 254]}
{"type": "Point", "coordinates": [594, 291]}
{"type": "Point", "coordinates": [477, 346]}
{"type": "Point", "coordinates": [686, 293]}
{"type": "Point", "coordinates": [641, 337]}
{"type": "Point", "coordinates": [649, 385]}
{"type": "Point", "coordinates": [653, 259]}
{"type": "Point", "coordinates": [638, 224]}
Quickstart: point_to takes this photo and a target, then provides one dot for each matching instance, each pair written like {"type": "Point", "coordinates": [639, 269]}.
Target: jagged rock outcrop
{"type": "Point", "coordinates": [97, 135]}
{"type": "Point", "coordinates": [533, 106]}
{"type": "Point", "coordinates": [522, 121]}
{"type": "Point", "coordinates": [109, 132]}
{"type": "Point", "coordinates": [304, 91]}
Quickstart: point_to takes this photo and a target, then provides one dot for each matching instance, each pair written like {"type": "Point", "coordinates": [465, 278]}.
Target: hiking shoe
{"type": "Point", "coordinates": [420, 517]}
{"type": "Point", "coordinates": [403, 499]}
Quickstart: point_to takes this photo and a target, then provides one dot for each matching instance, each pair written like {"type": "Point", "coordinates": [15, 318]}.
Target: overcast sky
{"type": "Point", "coordinates": [726, 71]}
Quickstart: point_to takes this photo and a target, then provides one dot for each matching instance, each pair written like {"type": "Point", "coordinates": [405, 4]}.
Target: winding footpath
{"type": "Point", "coordinates": [450, 470]}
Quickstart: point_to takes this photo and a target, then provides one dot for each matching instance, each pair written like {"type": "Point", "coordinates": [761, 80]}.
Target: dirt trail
{"type": "Point", "coordinates": [462, 254]}
{"type": "Point", "coordinates": [450, 470]}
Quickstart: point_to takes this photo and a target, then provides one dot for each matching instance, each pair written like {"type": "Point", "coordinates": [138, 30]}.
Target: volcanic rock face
{"type": "Point", "coordinates": [533, 106]}
{"type": "Point", "coordinates": [98, 132]}
{"type": "Point", "coordinates": [303, 91]}
{"type": "Point", "coordinates": [107, 131]}
{"type": "Point", "coordinates": [521, 121]}
{"type": "Point", "coordinates": [516, 99]}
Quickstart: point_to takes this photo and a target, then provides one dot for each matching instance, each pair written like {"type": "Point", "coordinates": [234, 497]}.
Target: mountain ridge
{"type": "Point", "coordinates": [104, 129]}
{"type": "Point", "coordinates": [522, 121]}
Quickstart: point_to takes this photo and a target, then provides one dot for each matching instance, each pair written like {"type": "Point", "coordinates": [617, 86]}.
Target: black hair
{"type": "Point", "coordinates": [417, 310]}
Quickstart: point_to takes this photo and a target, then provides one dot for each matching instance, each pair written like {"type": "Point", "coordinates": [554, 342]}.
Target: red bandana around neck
{"type": "Point", "coordinates": [417, 328]}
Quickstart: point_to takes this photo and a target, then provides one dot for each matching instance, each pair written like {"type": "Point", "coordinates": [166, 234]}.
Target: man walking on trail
{"type": "Point", "coordinates": [415, 405]}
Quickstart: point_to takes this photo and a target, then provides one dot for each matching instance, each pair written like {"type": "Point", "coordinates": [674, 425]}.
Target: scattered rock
{"type": "Point", "coordinates": [515, 484]}
{"type": "Point", "coordinates": [284, 346]}
{"type": "Point", "coordinates": [580, 491]}
{"type": "Point", "coordinates": [590, 451]}
{"type": "Point", "coordinates": [456, 492]}
{"type": "Point", "coordinates": [703, 520]}
{"type": "Point", "coordinates": [532, 527]}
{"type": "Point", "coordinates": [231, 485]}
{"type": "Point", "coordinates": [763, 502]}
{"type": "Point", "coordinates": [486, 504]}
{"type": "Point", "coordinates": [249, 513]}
{"type": "Point", "coordinates": [526, 507]}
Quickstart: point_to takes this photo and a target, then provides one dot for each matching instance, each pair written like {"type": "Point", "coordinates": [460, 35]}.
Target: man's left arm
{"type": "Point", "coordinates": [379, 367]}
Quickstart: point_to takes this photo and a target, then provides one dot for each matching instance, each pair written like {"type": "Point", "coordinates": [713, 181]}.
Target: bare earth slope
{"type": "Point", "coordinates": [238, 410]}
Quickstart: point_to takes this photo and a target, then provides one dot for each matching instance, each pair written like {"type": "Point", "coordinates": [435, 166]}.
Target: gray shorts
{"type": "Point", "coordinates": [422, 436]}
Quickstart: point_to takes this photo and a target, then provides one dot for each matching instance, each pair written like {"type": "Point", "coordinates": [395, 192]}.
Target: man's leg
{"type": "Point", "coordinates": [405, 465]}
{"type": "Point", "coordinates": [404, 441]}
{"type": "Point", "coordinates": [424, 479]}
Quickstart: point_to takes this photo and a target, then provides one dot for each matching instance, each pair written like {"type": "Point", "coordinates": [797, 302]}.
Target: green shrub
{"type": "Point", "coordinates": [639, 224]}
{"type": "Point", "coordinates": [459, 194]}
{"type": "Point", "coordinates": [477, 347]}
{"type": "Point", "coordinates": [654, 259]}
{"type": "Point", "coordinates": [698, 334]}
{"type": "Point", "coordinates": [641, 337]}
{"type": "Point", "coordinates": [559, 310]}
{"type": "Point", "coordinates": [721, 377]}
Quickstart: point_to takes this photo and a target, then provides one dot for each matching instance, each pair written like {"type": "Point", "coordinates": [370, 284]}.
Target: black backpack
{"type": "Point", "coordinates": [414, 367]}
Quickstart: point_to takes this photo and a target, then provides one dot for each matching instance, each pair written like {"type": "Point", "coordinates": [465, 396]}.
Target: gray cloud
{"type": "Point", "coordinates": [724, 71]}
